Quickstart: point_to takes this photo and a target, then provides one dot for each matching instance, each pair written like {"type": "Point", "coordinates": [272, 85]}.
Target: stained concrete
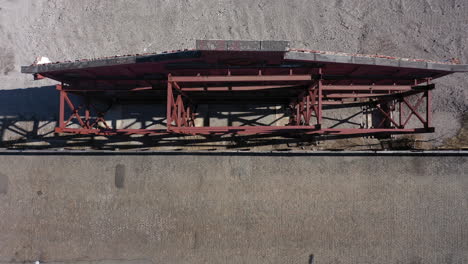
{"type": "Point", "coordinates": [245, 208]}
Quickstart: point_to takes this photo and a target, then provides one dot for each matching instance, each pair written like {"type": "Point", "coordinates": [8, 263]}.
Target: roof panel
{"type": "Point", "coordinates": [216, 57]}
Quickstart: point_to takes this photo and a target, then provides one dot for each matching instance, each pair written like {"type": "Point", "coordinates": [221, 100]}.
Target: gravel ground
{"type": "Point", "coordinates": [68, 30]}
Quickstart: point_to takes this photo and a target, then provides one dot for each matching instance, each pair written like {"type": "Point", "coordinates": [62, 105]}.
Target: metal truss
{"type": "Point", "coordinates": [396, 105]}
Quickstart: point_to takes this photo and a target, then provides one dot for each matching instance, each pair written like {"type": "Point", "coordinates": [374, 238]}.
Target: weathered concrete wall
{"type": "Point", "coordinates": [233, 209]}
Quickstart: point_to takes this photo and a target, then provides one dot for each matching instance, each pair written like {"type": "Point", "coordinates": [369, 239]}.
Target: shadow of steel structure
{"type": "Point", "coordinates": [219, 71]}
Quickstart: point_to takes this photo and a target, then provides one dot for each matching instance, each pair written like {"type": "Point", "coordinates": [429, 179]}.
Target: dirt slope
{"type": "Point", "coordinates": [67, 30]}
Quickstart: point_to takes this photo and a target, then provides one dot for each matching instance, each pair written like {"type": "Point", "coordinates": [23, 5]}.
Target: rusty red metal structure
{"type": "Point", "coordinates": [237, 71]}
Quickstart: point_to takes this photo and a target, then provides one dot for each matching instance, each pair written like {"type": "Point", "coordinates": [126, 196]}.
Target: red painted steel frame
{"type": "Point", "coordinates": [96, 125]}
{"type": "Point", "coordinates": [176, 111]}
{"type": "Point", "coordinates": [306, 110]}
{"type": "Point", "coordinates": [309, 103]}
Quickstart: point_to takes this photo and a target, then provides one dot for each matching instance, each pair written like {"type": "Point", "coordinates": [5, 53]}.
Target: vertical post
{"type": "Point", "coordinates": [428, 108]}
{"type": "Point", "coordinates": [308, 110]}
{"type": "Point", "coordinates": [61, 121]}
{"type": "Point", "coordinates": [169, 102]}
{"type": "Point", "coordinates": [87, 115]}
{"type": "Point", "coordinates": [400, 107]}
{"type": "Point", "coordinates": [298, 114]}
{"type": "Point", "coordinates": [313, 100]}
{"type": "Point", "coordinates": [188, 115]}
{"type": "Point", "coordinates": [179, 110]}
{"type": "Point", "coordinates": [428, 95]}
{"type": "Point", "coordinates": [319, 114]}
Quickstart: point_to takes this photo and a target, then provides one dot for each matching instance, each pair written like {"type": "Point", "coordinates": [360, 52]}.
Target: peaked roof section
{"type": "Point", "coordinates": [214, 57]}
{"type": "Point", "coordinates": [250, 46]}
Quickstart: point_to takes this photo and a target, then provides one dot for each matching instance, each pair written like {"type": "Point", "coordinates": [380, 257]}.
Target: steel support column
{"type": "Point", "coordinates": [61, 121]}
{"type": "Point", "coordinates": [180, 112]}
{"type": "Point", "coordinates": [320, 98]}
{"type": "Point", "coordinates": [85, 122]}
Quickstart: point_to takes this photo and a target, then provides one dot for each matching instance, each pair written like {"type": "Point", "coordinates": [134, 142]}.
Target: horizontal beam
{"type": "Point", "coordinates": [375, 78]}
{"type": "Point", "coordinates": [108, 90]}
{"type": "Point", "coordinates": [161, 78]}
{"type": "Point", "coordinates": [217, 66]}
{"type": "Point", "coordinates": [236, 88]}
{"type": "Point", "coordinates": [240, 78]}
{"type": "Point", "coordinates": [108, 132]}
{"type": "Point", "coordinates": [353, 95]}
{"type": "Point", "coordinates": [415, 90]}
{"type": "Point", "coordinates": [240, 129]}
{"type": "Point", "coordinates": [357, 131]}
{"type": "Point", "coordinates": [361, 88]}
{"type": "Point", "coordinates": [366, 88]}
{"type": "Point", "coordinates": [243, 130]}
{"type": "Point", "coordinates": [294, 129]}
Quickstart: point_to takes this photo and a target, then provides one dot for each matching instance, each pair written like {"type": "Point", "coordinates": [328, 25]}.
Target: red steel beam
{"type": "Point", "coordinates": [61, 121]}
{"type": "Point", "coordinates": [235, 88]}
{"type": "Point", "coordinates": [361, 88]}
{"type": "Point", "coordinates": [387, 116]}
{"type": "Point", "coordinates": [108, 90]}
{"type": "Point", "coordinates": [240, 129]}
{"type": "Point", "coordinates": [170, 101]}
{"type": "Point", "coordinates": [414, 110]}
{"type": "Point", "coordinates": [428, 108]}
{"type": "Point", "coordinates": [366, 87]}
{"type": "Point", "coordinates": [357, 131]}
{"type": "Point", "coordinates": [349, 87]}
{"type": "Point", "coordinates": [291, 129]}
{"type": "Point", "coordinates": [107, 132]}
{"type": "Point", "coordinates": [353, 95]}
{"type": "Point", "coordinates": [319, 107]}
{"type": "Point", "coordinates": [240, 78]}
{"type": "Point", "coordinates": [244, 130]}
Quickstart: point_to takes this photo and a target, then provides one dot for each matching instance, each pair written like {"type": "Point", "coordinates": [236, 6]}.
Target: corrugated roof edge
{"type": "Point", "coordinates": [108, 61]}
{"type": "Point", "coordinates": [291, 54]}
{"type": "Point", "coordinates": [378, 60]}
